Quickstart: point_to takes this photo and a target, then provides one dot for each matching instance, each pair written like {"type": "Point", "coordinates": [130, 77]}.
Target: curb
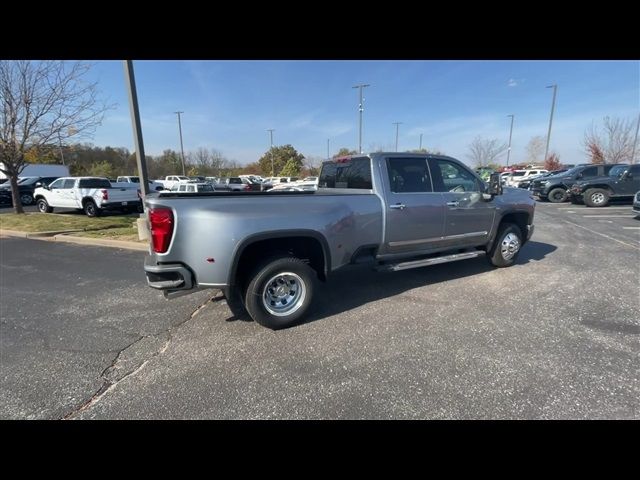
{"type": "Point", "coordinates": [62, 237]}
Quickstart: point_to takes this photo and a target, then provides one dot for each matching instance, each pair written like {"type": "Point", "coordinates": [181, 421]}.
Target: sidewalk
{"type": "Point", "coordinates": [64, 236]}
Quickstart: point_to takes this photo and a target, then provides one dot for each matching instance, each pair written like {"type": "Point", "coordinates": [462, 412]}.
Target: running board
{"type": "Point", "coordinates": [394, 267]}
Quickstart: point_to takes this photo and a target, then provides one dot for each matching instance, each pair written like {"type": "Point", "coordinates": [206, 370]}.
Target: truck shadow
{"type": "Point", "coordinates": [358, 285]}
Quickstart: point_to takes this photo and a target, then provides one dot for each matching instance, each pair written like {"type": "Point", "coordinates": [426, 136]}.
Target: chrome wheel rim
{"type": "Point", "coordinates": [510, 246]}
{"type": "Point", "coordinates": [557, 195]}
{"type": "Point", "coordinates": [90, 209]}
{"type": "Point", "coordinates": [597, 197]}
{"type": "Point", "coordinates": [283, 294]}
{"type": "Point", "coordinates": [42, 207]}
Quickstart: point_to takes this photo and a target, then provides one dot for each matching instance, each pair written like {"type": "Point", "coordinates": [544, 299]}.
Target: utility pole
{"type": "Point", "coordinates": [60, 146]}
{"type": "Point", "coordinates": [420, 142]}
{"type": "Point", "coordinates": [635, 141]}
{"type": "Point", "coordinates": [397, 124]}
{"type": "Point", "coordinates": [553, 106]}
{"type": "Point", "coordinates": [181, 147]}
{"type": "Point", "coordinates": [271, 130]}
{"type": "Point", "coordinates": [361, 109]}
{"type": "Point", "coordinates": [137, 128]}
{"type": "Point", "coordinates": [510, 133]}
{"type": "Point", "coordinates": [328, 158]}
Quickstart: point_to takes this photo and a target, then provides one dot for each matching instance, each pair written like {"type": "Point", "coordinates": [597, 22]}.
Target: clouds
{"type": "Point", "coordinates": [514, 82]}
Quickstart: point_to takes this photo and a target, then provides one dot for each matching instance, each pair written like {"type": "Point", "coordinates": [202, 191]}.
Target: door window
{"type": "Point", "coordinates": [451, 177]}
{"type": "Point", "coordinates": [409, 175]}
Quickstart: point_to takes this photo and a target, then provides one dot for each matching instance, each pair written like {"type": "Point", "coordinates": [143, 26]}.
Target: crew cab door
{"type": "Point", "coordinates": [630, 184]}
{"type": "Point", "coordinates": [414, 212]}
{"type": "Point", "coordinates": [468, 218]}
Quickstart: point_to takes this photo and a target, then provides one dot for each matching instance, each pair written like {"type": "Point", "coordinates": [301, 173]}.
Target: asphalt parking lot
{"type": "Point", "coordinates": [557, 336]}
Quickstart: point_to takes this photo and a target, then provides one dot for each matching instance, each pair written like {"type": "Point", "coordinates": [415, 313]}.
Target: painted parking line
{"type": "Point", "coordinates": [631, 228]}
{"type": "Point", "coordinates": [606, 216]}
{"type": "Point", "coordinates": [584, 208]}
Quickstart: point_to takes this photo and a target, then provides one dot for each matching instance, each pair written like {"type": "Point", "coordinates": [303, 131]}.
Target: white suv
{"type": "Point", "coordinates": [519, 175]}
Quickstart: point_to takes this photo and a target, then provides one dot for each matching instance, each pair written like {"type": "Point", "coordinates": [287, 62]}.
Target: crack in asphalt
{"type": "Point", "coordinates": [108, 384]}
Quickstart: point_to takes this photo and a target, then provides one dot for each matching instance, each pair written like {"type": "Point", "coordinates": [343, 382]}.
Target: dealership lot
{"type": "Point", "coordinates": [555, 336]}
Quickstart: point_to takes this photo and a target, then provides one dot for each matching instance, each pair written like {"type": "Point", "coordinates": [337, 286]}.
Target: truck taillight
{"type": "Point", "coordinates": [161, 222]}
{"type": "Point", "coordinates": [105, 194]}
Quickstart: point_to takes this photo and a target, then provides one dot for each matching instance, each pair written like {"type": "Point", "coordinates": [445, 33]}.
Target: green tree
{"type": "Point", "coordinates": [291, 168]}
{"type": "Point", "coordinates": [102, 169]}
{"type": "Point", "coordinates": [343, 152]}
{"type": "Point", "coordinates": [281, 156]}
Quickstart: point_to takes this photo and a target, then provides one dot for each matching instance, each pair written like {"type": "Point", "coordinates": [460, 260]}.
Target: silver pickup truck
{"type": "Point", "coordinates": [395, 211]}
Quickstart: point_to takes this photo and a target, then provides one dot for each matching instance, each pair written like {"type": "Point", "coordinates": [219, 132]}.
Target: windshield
{"type": "Point", "coordinates": [573, 171]}
{"type": "Point", "coordinates": [27, 180]}
{"type": "Point", "coordinates": [617, 170]}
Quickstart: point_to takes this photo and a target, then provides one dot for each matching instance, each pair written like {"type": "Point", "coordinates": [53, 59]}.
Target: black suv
{"type": "Point", "coordinates": [555, 188]}
{"type": "Point", "coordinates": [622, 182]}
{"type": "Point", "coordinates": [26, 186]}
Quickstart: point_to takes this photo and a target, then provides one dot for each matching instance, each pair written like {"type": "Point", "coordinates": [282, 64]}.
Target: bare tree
{"type": "Point", "coordinates": [482, 152]}
{"type": "Point", "coordinates": [218, 161]}
{"type": "Point", "coordinates": [312, 164]}
{"type": "Point", "coordinates": [201, 158]}
{"type": "Point", "coordinates": [43, 102]}
{"type": "Point", "coordinates": [535, 149]}
{"type": "Point", "coordinates": [613, 142]}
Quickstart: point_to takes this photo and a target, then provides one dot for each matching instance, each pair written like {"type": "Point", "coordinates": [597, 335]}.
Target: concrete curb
{"type": "Point", "coordinates": [62, 237]}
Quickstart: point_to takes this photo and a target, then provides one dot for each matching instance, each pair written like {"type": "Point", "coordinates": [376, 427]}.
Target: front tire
{"type": "Point", "coordinates": [26, 199]}
{"type": "Point", "coordinates": [43, 206]}
{"type": "Point", "coordinates": [558, 195]}
{"type": "Point", "coordinates": [596, 197]}
{"type": "Point", "coordinates": [506, 247]}
{"type": "Point", "coordinates": [280, 292]}
{"type": "Point", "coordinates": [91, 209]}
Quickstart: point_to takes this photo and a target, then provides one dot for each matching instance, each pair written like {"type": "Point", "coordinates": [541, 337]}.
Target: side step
{"type": "Point", "coordinates": [394, 267]}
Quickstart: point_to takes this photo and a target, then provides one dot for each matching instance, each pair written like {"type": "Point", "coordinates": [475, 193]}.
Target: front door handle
{"type": "Point", "coordinates": [398, 206]}
{"type": "Point", "coordinates": [453, 204]}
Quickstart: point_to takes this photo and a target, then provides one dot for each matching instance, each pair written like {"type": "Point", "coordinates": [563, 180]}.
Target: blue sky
{"type": "Point", "coordinates": [229, 105]}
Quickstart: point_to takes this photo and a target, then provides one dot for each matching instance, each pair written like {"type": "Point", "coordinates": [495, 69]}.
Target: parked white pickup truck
{"type": "Point", "coordinates": [131, 181]}
{"type": "Point", "coordinates": [90, 194]}
{"type": "Point", "coordinates": [170, 180]}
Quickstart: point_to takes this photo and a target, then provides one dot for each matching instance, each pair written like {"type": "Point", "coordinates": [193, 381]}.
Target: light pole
{"type": "Point", "coordinates": [361, 109]}
{"type": "Point", "coordinates": [510, 133]}
{"type": "Point", "coordinates": [181, 147]}
{"type": "Point", "coordinates": [553, 106]}
{"type": "Point", "coordinates": [635, 141]}
{"type": "Point", "coordinates": [420, 142]}
{"type": "Point", "coordinates": [397, 124]}
{"type": "Point", "coordinates": [328, 150]}
{"type": "Point", "coordinates": [271, 130]}
{"type": "Point", "coordinates": [137, 128]}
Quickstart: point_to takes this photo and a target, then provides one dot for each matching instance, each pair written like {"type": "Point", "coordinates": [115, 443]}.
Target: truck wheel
{"type": "Point", "coordinates": [91, 209]}
{"type": "Point", "coordinates": [280, 292]}
{"type": "Point", "coordinates": [596, 197]}
{"type": "Point", "coordinates": [26, 198]}
{"type": "Point", "coordinates": [43, 206]}
{"type": "Point", "coordinates": [507, 245]}
{"type": "Point", "coordinates": [558, 195]}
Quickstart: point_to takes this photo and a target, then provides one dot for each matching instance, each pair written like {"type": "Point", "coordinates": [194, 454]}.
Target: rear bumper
{"type": "Point", "coordinates": [173, 279]}
{"type": "Point", "coordinates": [120, 206]}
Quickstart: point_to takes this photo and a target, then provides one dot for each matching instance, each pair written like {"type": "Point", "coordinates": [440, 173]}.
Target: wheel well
{"type": "Point", "coordinates": [87, 199]}
{"type": "Point", "coordinates": [306, 248]}
{"type": "Point", "coordinates": [603, 187]}
{"type": "Point", "coordinates": [521, 219]}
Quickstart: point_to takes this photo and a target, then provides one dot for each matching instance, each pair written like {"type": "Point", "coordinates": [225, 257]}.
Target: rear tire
{"type": "Point", "coordinates": [506, 247]}
{"type": "Point", "coordinates": [596, 197]}
{"type": "Point", "coordinates": [26, 199]}
{"type": "Point", "coordinates": [280, 292]}
{"type": "Point", "coordinates": [43, 206]}
{"type": "Point", "coordinates": [91, 209]}
{"type": "Point", "coordinates": [558, 195]}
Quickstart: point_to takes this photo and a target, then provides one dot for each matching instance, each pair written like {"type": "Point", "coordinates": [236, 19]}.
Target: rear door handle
{"type": "Point", "coordinates": [453, 204]}
{"type": "Point", "coordinates": [398, 206]}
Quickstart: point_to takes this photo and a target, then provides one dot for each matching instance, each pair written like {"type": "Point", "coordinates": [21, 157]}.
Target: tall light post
{"type": "Point", "coordinates": [420, 142]}
{"type": "Point", "coordinates": [137, 129]}
{"type": "Point", "coordinates": [635, 141]}
{"type": "Point", "coordinates": [361, 109]}
{"type": "Point", "coordinates": [328, 158]}
{"type": "Point", "coordinates": [510, 134]}
{"type": "Point", "coordinates": [397, 124]}
{"type": "Point", "coordinates": [271, 130]}
{"type": "Point", "coordinates": [181, 147]}
{"type": "Point", "coordinates": [553, 106]}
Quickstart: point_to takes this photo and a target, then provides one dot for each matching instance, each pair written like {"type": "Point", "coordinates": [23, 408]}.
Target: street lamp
{"type": "Point", "coordinates": [553, 106]}
{"type": "Point", "coordinates": [361, 109]}
{"type": "Point", "coordinates": [420, 143]}
{"type": "Point", "coordinates": [271, 130]}
{"type": "Point", "coordinates": [397, 124]}
{"type": "Point", "coordinates": [181, 147]}
{"type": "Point", "coordinates": [510, 133]}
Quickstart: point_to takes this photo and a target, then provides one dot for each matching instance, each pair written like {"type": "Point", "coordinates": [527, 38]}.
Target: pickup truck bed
{"type": "Point", "coordinates": [254, 245]}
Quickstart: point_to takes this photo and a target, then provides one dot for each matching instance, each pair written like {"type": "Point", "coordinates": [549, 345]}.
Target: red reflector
{"type": "Point", "coordinates": [161, 222]}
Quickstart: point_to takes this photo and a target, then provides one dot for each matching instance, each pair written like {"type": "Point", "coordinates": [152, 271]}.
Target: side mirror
{"type": "Point", "coordinates": [626, 175]}
{"type": "Point", "coordinates": [495, 185]}
{"type": "Point", "coordinates": [38, 184]}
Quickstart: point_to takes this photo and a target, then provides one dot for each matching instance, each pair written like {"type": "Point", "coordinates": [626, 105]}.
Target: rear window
{"type": "Point", "coordinates": [94, 183]}
{"type": "Point", "coordinates": [351, 173]}
{"type": "Point", "coordinates": [235, 180]}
